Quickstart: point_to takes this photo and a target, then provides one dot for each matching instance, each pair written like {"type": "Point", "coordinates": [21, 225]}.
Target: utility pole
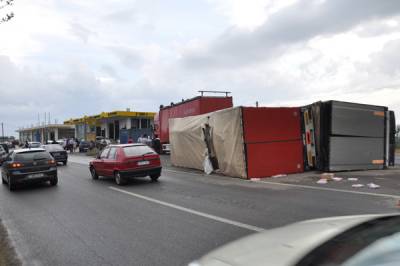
{"type": "Point", "coordinates": [2, 131]}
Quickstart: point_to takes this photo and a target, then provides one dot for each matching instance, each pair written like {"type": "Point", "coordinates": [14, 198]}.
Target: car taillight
{"type": "Point", "coordinates": [51, 162]}
{"type": "Point", "coordinates": [16, 165]}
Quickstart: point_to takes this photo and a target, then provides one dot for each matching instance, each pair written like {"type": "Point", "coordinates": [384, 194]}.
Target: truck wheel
{"type": "Point", "coordinates": [119, 180]}
{"type": "Point", "coordinates": [65, 163]}
{"type": "Point", "coordinates": [154, 178]}
{"type": "Point", "coordinates": [3, 181]}
{"type": "Point", "coordinates": [54, 181]}
{"type": "Point", "coordinates": [95, 176]}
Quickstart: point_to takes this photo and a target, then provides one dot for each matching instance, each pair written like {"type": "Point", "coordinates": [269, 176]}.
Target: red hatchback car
{"type": "Point", "coordinates": [126, 160]}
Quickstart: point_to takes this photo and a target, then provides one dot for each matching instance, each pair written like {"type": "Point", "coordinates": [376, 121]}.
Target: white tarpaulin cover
{"type": "Point", "coordinates": [188, 145]}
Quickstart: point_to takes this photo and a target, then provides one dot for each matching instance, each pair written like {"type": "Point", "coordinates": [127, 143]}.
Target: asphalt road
{"type": "Point", "coordinates": [171, 222]}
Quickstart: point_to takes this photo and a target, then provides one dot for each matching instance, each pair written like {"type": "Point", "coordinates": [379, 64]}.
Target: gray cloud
{"type": "Point", "coordinates": [122, 15]}
{"type": "Point", "coordinates": [81, 32]}
{"type": "Point", "coordinates": [128, 56]}
{"type": "Point", "coordinates": [297, 23]}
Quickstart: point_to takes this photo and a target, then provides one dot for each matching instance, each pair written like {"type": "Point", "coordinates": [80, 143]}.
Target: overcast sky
{"type": "Point", "coordinates": [79, 57]}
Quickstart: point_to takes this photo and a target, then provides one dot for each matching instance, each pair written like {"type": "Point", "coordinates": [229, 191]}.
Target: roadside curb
{"type": "Point", "coordinates": [8, 256]}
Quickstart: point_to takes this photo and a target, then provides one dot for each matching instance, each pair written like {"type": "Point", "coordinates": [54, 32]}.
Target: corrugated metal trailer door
{"type": "Point", "coordinates": [272, 138]}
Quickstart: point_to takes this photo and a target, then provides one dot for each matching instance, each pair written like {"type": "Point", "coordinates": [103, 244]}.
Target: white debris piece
{"type": "Point", "coordinates": [327, 176]}
{"type": "Point", "coordinates": [357, 185]}
{"type": "Point", "coordinates": [276, 176]}
{"type": "Point", "coordinates": [322, 181]}
{"type": "Point", "coordinates": [337, 178]}
{"type": "Point", "coordinates": [255, 179]}
{"type": "Point", "coordinates": [352, 179]}
{"type": "Point", "coordinates": [372, 185]}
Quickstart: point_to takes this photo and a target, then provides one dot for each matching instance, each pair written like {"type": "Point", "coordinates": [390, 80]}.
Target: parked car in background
{"type": "Point", "coordinates": [34, 144]}
{"type": "Point", "coordinates": [5, 147]}
{"type": "Point", "coordinates": [29, 165]}
{"type": "Point", "coordinates": [3, 155]}
{"type": "Point", "coordinates": [84, 146]}
{"type": "Point", "coordinates": [57, 151]}
{"type": "Point", "coordinates": [62, 142]}
{"type": "Point", "coordinates": [124, 161]}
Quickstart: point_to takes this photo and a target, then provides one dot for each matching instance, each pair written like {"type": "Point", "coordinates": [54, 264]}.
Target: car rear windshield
{"type": "Point", "coordinates": [32, 156]}
{"type": "Point", "coordinates": [54, 147]}
{"type": "Point", "coordinates": [138, 150]}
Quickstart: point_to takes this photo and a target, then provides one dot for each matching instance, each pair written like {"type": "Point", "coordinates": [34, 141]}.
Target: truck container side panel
{"type": "Point", "coordinates": [157, 129]}
{"type": "Point", "coordinates": [268, 159]}
{"type": "Point", "coordinates": [196, 106]}
{"type": "Point", "coordinates": [186, 109]}
{"type": "Point", "coordinates": [264, 124]}
{"type": "Point", "coordinates": [392, 138]}
{"type": "Point", "coordinates": [209, 104]}
{"type": "Point", "coordinates": [164, 133]}
{"type": "Point", "coordinates": [351, 119]}
{"type": "Point", "coordinates": [356, 153]}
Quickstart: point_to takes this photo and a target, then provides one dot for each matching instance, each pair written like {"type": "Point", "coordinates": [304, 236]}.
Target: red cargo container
{"type": "Point", "coordinates": [272, 139]}
{"type": "Point", "coordinates": [195, 106]}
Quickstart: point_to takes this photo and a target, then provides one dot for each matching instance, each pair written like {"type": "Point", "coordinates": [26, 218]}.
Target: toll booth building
{"type": "Point", "coordinates": [117, 125]}
{"type": "Point", "coordinates": [48, 132]}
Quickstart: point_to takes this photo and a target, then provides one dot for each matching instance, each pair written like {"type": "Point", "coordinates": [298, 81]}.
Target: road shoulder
{"type": "Point", "coordinates": [8, 255]}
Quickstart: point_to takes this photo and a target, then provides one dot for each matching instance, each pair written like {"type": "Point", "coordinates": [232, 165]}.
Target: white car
{"type": "Point", "coordinates": [362, 240]}
{"type": "Point", "coordinates": [34, 144]}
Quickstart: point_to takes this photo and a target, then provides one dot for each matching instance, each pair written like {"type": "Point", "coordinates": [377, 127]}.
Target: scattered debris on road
{"type": "Point", "coordinates": [280, 175]}
{"type": "Point", "coordinates": [372, 185]}
{"type": "Point", "coordinates": [322, 181]}
{"type": "Point", "coordinates": [335, 178]}
{"type": "Point", "coordinates": [357, 185]}
{"type": "Point", "coordinates": [352, 179]}
{"type": "Point", "coordinates": [327, 176]}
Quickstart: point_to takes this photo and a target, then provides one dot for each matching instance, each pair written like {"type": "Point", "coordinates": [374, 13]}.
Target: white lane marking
{"type": "Point", "coordinates": [331, 189]}
{"type": "Point", "coordinates": [293, 185]}
{"type": "Point", "coordinates": [184, 209]}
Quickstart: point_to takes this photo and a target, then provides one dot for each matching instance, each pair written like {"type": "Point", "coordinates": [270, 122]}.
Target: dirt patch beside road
{"type": "Point", "coordinates": [8, 255]}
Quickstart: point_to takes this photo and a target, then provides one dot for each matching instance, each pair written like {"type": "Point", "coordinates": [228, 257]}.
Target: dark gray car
{"type": "Point", "coordinates": [27, 166]}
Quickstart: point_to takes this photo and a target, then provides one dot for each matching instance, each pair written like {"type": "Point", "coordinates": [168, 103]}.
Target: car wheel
{"type": "Point", "coordinates": [11, 186]}
{"type": "Point", "coordinates": [154, 178]}
{"type": "Point", "coordinates": [95, 176]}
{"type": "Point", "coordinates": [3, 181]}
{"type": "Point", "coordinates": [54, 181]}
{"type": "Point", "coordinates": [119, 179]}
{"type": "Point", "coordinates": [65, 163]}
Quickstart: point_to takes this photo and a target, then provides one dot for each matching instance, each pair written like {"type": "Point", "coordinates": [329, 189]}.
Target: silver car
{"type": "Point", "coordinates": [362, 240]}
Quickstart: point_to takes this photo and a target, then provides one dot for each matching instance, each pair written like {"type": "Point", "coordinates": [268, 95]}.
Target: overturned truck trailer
{"type": "Point", "coordinates": [245, 142]}
{"type": "Point", "coordinates": [341, 136]}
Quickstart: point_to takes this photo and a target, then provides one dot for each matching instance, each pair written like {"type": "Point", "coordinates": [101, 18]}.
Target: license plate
{"type": "Point", "coordinates": [35, 175]}
{"type": "Point", "coordinates": [143, 163]}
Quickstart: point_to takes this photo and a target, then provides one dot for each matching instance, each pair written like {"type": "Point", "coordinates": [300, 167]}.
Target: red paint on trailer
{"type": "Point", "coordinates": [273, 141]}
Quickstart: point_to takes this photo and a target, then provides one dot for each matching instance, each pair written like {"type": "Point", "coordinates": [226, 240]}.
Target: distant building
{"type": "Point", "coordinates": [7, 138]}
{"type": "Point", "coordinates": [116, 125]}
{"type": "Point", "coordinates": [46, 133]}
